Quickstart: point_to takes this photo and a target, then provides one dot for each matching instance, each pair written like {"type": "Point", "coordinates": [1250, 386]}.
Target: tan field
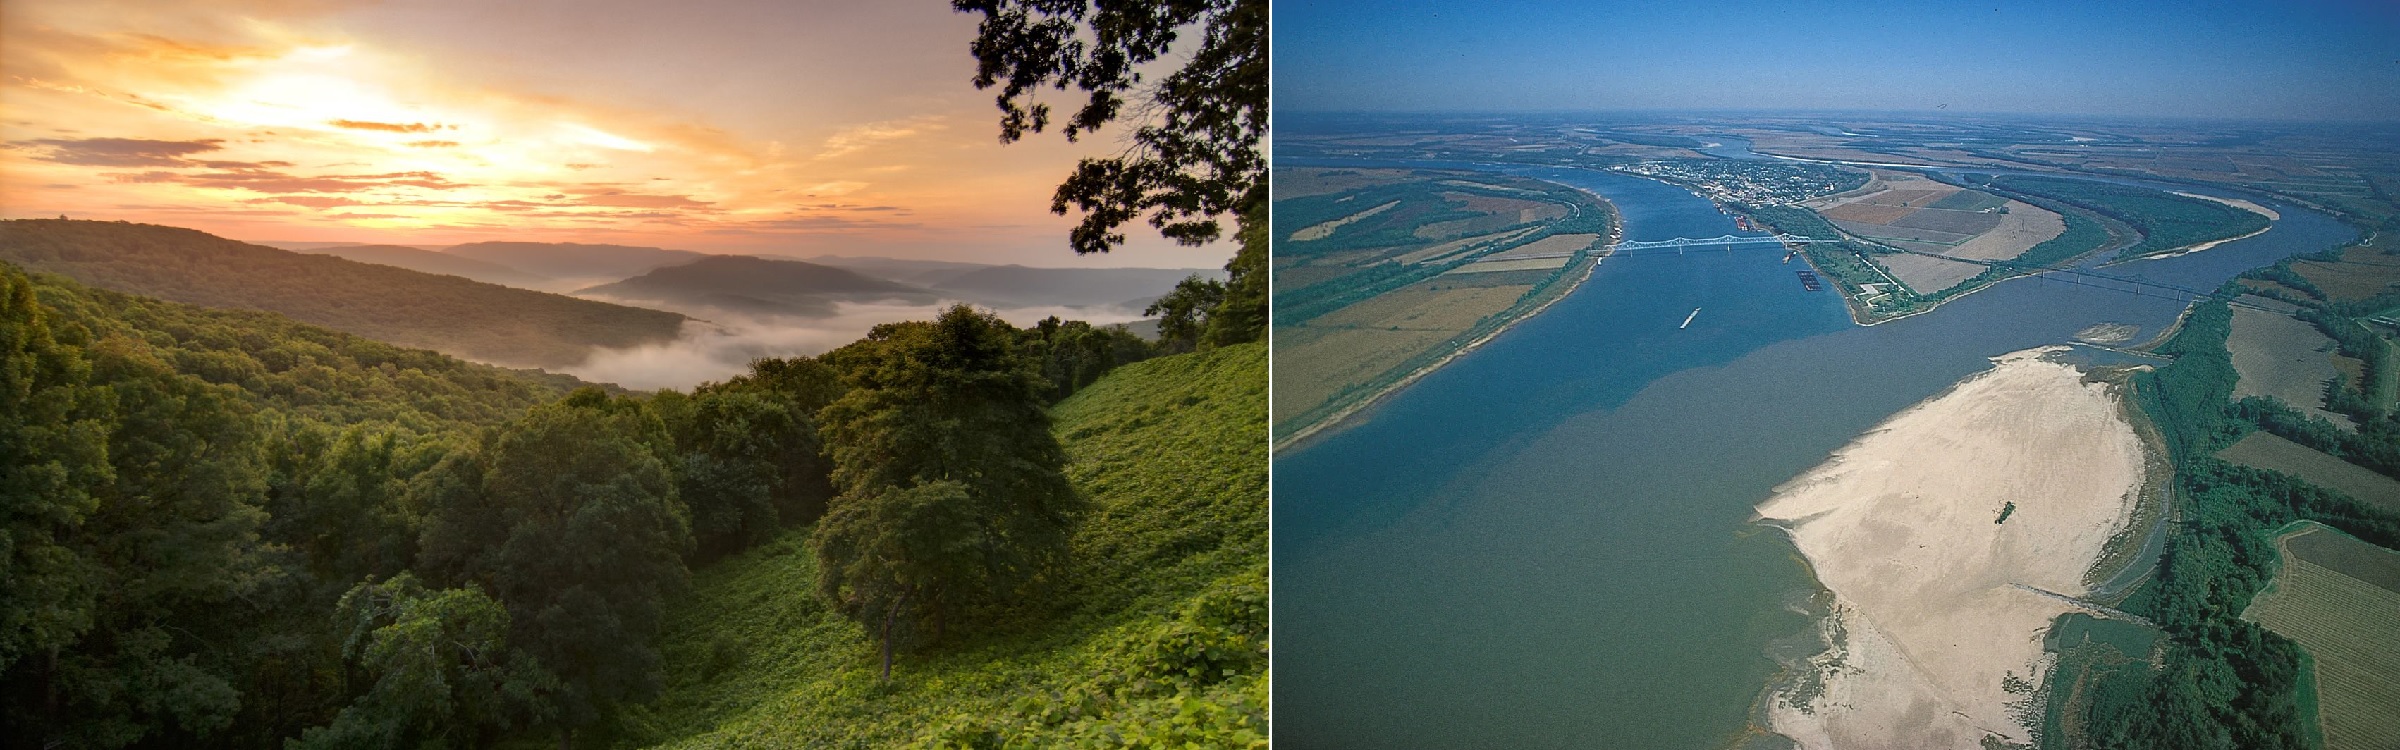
{"type": "Point", "coordinates": [2364, 271]}
{"type": "Point", "coordinates": [1321, 231]}
{"type": "Point", "coordinates": [2326, 597]}
{"type": "Point", "coordinates": [2275, 355]}
{"type": "Point", "coordinates": [1501, 188]}
{"type": "Point", "coordinates": [1437, 252]}
{"type": "Point", "coordinates": [1359, 343]}
{"type": "Point", "coordinates": [1935, 604]}
{"type": "Point", "coordinates": [1518, 264]}
{"type": "Point", "coordinates": [1927, 274]}
{"type": "Point", "coordinates": [1891, 196]}
{"type": "Point", "coordinates": [1866, 213]}
{"type": "Point", "coordinates": [1916, 197]}
{"type": "Point", "coordinates": [2024, 226]}
{"type": "Point", "coordinates": [1557, 243]}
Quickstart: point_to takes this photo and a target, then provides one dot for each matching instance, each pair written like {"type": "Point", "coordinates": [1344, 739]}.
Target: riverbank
{"type": "Point", "coordinates": [1950, 537]}
{"type": "Point", "coordinates": [1569, 282]}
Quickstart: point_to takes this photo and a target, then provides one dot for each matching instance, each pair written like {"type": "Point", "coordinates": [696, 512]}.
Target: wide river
{"type": "Point", "coordinates": [1548, 543]}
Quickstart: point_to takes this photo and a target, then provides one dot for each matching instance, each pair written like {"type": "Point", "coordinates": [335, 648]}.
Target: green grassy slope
{"type": "Point", "coordinates": [444, 313]}
{"type": "Point", "coordinates": [1157, 638]}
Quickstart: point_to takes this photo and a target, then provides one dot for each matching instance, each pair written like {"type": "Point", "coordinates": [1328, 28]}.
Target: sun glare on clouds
{"type": "Point", "coordinates": [340, 134]}
{"type": "Point", "coordinates": [323, 121]}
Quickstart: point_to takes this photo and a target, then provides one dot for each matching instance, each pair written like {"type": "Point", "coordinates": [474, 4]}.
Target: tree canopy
{"type": "Point", "coordinates": [951, 485]}
{"type": "Point", "coordinates": [1194, 156]}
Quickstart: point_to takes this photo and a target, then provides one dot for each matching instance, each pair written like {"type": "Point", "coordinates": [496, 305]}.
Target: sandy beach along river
{"type": "Point", "coordinates": [1951, 536]}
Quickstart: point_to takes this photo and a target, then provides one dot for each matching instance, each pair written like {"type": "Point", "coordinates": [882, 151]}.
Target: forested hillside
{"type": "Point", "coordinates": [230, 529]}
{"type": "Point", "coordinates": [443, 313]}
{"type": "Point", "coordinates": [186, 492]}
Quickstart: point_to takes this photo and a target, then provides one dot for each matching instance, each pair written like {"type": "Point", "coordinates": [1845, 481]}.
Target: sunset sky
{"type": "Point", "coordinates": [742, 126]}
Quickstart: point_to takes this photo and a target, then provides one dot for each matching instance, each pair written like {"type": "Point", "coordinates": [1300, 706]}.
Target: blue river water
{"type": "Point", "coordinates": [1549, 542]}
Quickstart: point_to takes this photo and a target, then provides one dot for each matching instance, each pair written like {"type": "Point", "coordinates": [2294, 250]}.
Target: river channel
{"type": "Point", "coordinates": [1548, 543]}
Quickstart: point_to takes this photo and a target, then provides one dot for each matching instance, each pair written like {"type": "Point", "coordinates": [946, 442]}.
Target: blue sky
{"type": "Point", "coordinates": [2271, 60]}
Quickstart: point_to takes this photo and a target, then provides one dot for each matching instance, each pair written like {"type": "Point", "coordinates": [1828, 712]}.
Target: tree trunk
{"type": "Point", "coordinates": [888, 616]}
{"type": "Point", "coordinates": [566, 738]}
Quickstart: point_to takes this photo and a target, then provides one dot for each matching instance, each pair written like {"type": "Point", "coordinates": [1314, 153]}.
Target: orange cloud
{"type": "Point", "coordinates": [391, 127]}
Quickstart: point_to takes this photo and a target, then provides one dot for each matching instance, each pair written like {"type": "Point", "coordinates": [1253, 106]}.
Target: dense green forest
{"type": "Point", "coordinates": [444, 313]}
{"type": "Point", "coordinates": [231, 529]}
{"type": "Point", "coordinates": [2222, 681]}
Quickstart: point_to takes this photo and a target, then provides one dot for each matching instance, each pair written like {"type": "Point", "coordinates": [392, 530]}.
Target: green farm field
{"type": "Point", "coordinates": [2338, 598]}
{"type": "Point", "coordinates": [2266, 451]}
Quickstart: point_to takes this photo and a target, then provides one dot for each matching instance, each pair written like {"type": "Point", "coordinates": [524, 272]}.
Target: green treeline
{"type": "Point", "coordinates": [2082, 235]}
{"type": "Point", "coordinates": [2222, 681]}
{"type": "Point", "coordinates": [228, 529]}
{"type": "Point", "coordinates": [2372, 402]}
{"type": "Point", "coordinates": [2166, 221]}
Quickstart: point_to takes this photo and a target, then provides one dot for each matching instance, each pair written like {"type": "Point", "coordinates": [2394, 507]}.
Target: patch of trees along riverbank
{"type": "Point", "coordinates": [2220, 681]}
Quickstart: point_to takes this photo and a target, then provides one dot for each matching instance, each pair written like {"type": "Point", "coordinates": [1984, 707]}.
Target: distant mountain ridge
{"type": "Point", "coordinates": [452, 315]}
{"type": "Point", "coordinates": [1020, 286]}
{"type": "Point", "coordinates": [761, 286]}
{"type": "Point", "coordinates": [428, 261]}
{"type": "Point", "coordinates": [904, 270]}
{"type": "Point", "coordinates": [809, 287]}
{"type": "Point", "coordinates": [574, 260]}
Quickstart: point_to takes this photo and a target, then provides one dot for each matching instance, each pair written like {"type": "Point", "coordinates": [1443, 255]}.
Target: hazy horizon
{"type": "Point", "coordinates": [2312, 61]}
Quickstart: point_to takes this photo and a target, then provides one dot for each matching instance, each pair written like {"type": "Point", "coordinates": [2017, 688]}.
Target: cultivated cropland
{"type": "Point", "coordinates": [1381, 274]}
